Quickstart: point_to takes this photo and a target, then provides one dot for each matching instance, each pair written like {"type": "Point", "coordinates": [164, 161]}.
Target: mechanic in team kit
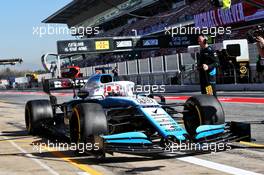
{"type": "Point", "coordinates": [260, 62]}
{"type": "Point", "coordinates": [115, 72]}
{"type": "Point", "coordinates": [260, 70]}
{"type": "Point", "coordinates": [207, 64]}
{"type": "Point", "coordinates": [260, 45]}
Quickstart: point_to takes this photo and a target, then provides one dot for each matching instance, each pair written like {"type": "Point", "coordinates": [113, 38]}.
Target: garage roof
{"type": "Point", "coordinates": [69, 11]}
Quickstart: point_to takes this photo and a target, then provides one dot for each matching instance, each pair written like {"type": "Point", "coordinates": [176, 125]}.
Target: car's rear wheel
{"type": "Point", "coordinates": [37, 112]}
{"type": "Point", "coordinates": [87, 123]}
{"type": "Point", "coordinates": [202, 110]}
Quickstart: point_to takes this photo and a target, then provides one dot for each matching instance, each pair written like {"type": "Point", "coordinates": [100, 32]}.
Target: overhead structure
{"type": "Point", "coordinates": [10, 61]}
{"type": "Point", "coordinates": [121, 44]}
{"type": "Point", "coordinates": [227, 3]}
{"type": "Point", "coordinates": [77, 11]}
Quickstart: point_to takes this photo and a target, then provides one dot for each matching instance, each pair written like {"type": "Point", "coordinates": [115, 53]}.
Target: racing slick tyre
{"type": "Point", "coordinates": [36, 112]}
{"type": "Point", "coordinates": [87, 122]}
{"type": "Point", "coordinates": [202, 110]}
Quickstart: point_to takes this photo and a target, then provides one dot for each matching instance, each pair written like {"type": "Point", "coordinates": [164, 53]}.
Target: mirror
{"type": "Point", "coordinates": [49, 59]}
{"type": "Point", "coordinates": [50, 63]}
{"type": "Point", "coordinates": [82, 94]}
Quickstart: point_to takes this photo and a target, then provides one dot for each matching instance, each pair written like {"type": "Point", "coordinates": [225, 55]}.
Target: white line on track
{"type": "Point", "coordinates": [83, 173]}
{"type": "Point", "coordinates": [217, 166]}
{"type": "Point", "coordinates": [32, 157]}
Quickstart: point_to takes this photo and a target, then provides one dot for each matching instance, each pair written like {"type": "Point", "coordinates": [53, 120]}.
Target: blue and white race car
{"type": "Point", "coordinates": [112, 118]}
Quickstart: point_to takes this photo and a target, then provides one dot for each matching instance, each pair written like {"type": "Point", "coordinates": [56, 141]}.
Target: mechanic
{"type": "Point", "coordinates": [115, 72]}
{"type": "Point", "coordinates": [207, 64]}
{"type": "Point", "coordinates": [53, 69]}
{"type": "Point", "coordinates": [103, 70]}
{"type": "Point", "coordinates": [260, 70]}
{"type": "Point", "coordinates": [260, 45]}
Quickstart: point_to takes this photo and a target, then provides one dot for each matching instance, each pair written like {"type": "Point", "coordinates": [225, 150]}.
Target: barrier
{"type": "Point", "coordinates": [157, 64]}
{"type": "Point", "coordinates": [122, 68]}
{"type": "Point", "coordinates": [168, 70]}
{"type": "Point", "coordinates": [112, 67]}
{"type": "Point", "coordinates": [132, 67]}
{"type": "Point", "coordinates": [144, 66]}
{"type": "Point", "coordinates": [172, 63]}
{"type": "Point", "coordinates": [83, 71]}
{"type": "Point", "coordinates": [89, 71]}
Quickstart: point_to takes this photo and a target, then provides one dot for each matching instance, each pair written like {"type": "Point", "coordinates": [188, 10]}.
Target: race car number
{"type": "Point", "coordinates": [145, 101]}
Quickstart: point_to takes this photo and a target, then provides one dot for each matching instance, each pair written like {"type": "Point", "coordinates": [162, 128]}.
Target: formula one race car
{"type": "Point", "coordinates": [114, 119]}
{"type": "Point", "coordinates": [67, 72]}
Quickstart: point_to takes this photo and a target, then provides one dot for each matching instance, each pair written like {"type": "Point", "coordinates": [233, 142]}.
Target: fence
{"type": "Point", "coordinates": [166, 70]}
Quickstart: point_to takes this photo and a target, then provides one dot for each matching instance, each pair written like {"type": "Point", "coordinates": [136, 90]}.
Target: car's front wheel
{"type": "Point", "coordinates": [87, 123]}
{"type": "Point", "coordinates": [202, 110]}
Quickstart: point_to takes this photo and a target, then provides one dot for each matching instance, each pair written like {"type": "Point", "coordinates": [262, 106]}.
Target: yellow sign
{"type": "Point", "coordinates": [226, 4]}
{"type": "Point", "coordinates": [102, 45]}
{"type": "Point", "coordinates": [209, 90]}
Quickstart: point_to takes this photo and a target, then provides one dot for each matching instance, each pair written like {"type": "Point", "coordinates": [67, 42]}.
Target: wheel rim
{"type": "Point", "coordinates": [192, 119]}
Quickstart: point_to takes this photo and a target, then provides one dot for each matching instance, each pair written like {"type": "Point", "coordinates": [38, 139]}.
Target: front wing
{"type": "Point", "coordinates": [138, 143]}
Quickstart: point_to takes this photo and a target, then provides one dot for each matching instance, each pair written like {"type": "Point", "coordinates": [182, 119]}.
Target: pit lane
{"type": "Point", "coordinates": [19, 157]}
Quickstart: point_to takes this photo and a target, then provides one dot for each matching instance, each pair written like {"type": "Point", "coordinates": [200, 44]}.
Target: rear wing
{"type": "Point", "coordinates": [63, 83]}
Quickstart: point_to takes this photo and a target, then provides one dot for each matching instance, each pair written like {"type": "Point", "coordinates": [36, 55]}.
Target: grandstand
{"type": "Point", "coordinates": [147, 18]}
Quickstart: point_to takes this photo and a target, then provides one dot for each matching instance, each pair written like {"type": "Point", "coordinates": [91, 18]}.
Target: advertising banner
{"type": "Point", "coordinates": [237, 13]}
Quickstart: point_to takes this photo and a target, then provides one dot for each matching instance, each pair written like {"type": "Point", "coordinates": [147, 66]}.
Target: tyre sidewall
{"type": "Point", "coordinates": [36, 112]}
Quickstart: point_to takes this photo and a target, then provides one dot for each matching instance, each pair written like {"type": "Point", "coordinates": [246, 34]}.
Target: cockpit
{"type": "Point", "coordinates": [103, 85]}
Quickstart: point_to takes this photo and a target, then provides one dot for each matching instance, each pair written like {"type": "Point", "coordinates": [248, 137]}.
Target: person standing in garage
{"type": "Point", "coordinates": [260, 46]}
{"type": "Point", "coordinates": [115, 72]}
{"type": "Point", "coordinates": [207, 64]}
{"type": "Point", "coordinates": [260, 70]}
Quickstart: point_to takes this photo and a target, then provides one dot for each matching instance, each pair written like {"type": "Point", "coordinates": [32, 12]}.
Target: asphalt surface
{"type": "Point", "coordinates": [22, 154]}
